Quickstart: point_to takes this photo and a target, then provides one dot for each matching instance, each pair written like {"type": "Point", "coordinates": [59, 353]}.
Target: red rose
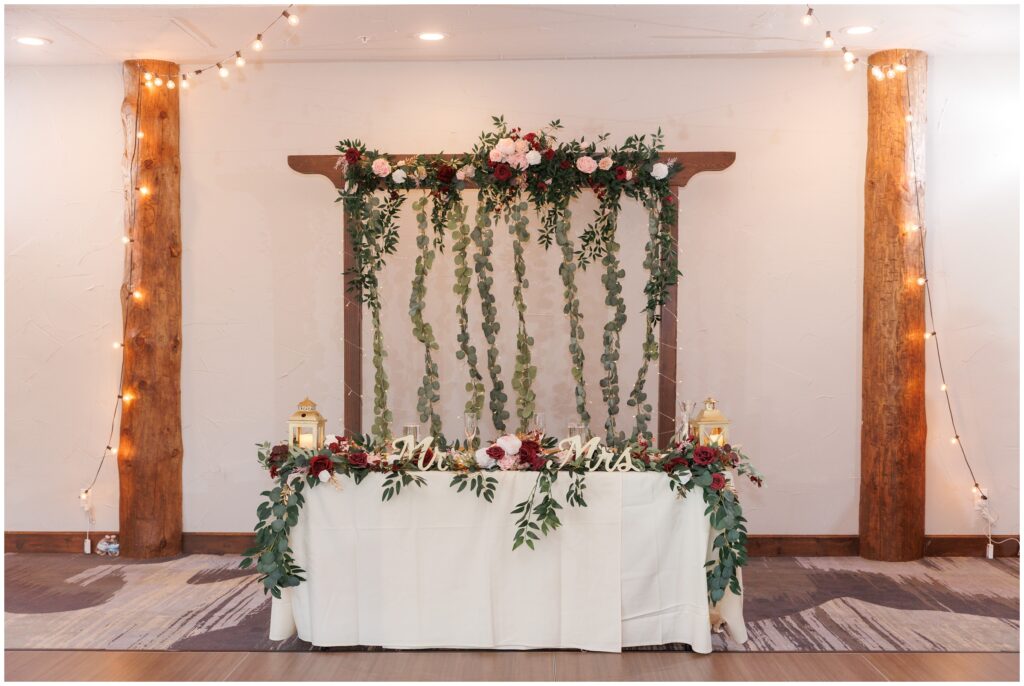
{"type": "Point", "coordinates": [621, 173]}
{"type": "Point", "coordinates": [445, 173]}
{"type": "Point", "coordinates": [352, 156]}
{"type": "Point", "coordinates": [671, 464]}
{"type": "Point", "coordinates": [360, 460]}
{"type": "Point", "coordinates": [549, 153]}
{"type": "Point", "coordinates": [530, 136]}
{"type": "Point", "coordinates": [334, 448]}
{"type": "Point", "coordinates": [564, 164]}
{"type": "Point", "coordinates": [496, 452]}
{"type": "Point", "coordinates": [669, 199]}
{"type": "Point", "coordinates": [502, 172]}
{"type": "Point", "coordinates": [717, 481]}
{"type": "Point", "coordinates": [273, 471]}
{"type": "Point", "coordinates": [541, 186]}
{"type": "Point", "coordinates": [279, 452]}
{"type": "Point", "coordinates": [319, 464]}
{"type": "Point", "coordinates": [703, 455]}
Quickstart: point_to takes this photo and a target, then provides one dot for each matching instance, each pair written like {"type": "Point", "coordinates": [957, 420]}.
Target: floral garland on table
{"type": "Point", "coordinates": [687, 466]}
{"type": "Point", "coordinates": [508, 165]}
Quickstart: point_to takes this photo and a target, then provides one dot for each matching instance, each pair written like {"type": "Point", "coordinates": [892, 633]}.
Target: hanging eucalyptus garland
{"type": "Point", "coordinates": [459, 230]}
{"type": "Point", "coordinates": [483, 239]}
{"type": "Point", "coordinates": [429, 391]}
{"type": "Point", "coordinates": [653, 265]}
{"type": "Point", "coordinates": [526, 371]}
{"type": "Point", "coordinates": [611, 278]}
{"type": "Point", "coordinates": [560, 219]}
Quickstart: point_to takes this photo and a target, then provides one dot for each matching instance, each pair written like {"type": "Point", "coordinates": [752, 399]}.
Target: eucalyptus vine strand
{"type": "Point", "coordinates": [653, 265]}
{"type": "Point", "coordinates": [612, 338]}
{"type": "Point", "coordinates": [482, 236]}
{"type": "Point", "coordinates": [428, 394]}
{"type": "Point", "coordinates": [559, 219]}
{"type": "Point", "coordinates": [525, 371]}
{"type": "Point", "coordinates": [459, 230]}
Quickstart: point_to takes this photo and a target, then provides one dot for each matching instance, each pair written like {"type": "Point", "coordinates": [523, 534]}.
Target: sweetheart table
{"type": "Point", "coordinates": [434, 568]}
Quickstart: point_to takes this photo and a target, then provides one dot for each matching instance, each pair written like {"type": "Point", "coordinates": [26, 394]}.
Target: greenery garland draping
{"type": "Point", "coordinates": [508, 166]}
{"type": "Point", "coordinates": [430, 388]}
{"type": "Point", "coordinates": [459, 230]}
{"type": "Point", "coordinates": [688, 467]}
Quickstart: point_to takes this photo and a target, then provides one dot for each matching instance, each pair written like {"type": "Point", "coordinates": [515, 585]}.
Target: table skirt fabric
{"type": "Point", "coordinates": [433, 568]}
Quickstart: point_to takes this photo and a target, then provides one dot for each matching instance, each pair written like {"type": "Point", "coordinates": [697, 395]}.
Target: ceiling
{"type": "Point", "coordinates": [196, 35]}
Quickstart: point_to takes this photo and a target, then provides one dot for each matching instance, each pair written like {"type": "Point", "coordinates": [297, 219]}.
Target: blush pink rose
{"type": "Point", "coordinates": [586, 164]}
{"type": "Point", "coordinates": [508, 462]}
{"type": "Point", "coordinates": [605, 164]}
{"type": "Point", "coordinates": [522, 145]}
{"type": "Point", "coordinates": [381, 167]}
{"type": "Point", "coordinates": [506, 146]}
{"type": "Point", "coordinates": [495, 155]}
{"type": "Point", "coordinates": [519, 161]}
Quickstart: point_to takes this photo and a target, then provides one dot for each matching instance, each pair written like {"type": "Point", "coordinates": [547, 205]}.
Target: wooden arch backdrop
{"type": "Point", "coordinates": [326, 165]}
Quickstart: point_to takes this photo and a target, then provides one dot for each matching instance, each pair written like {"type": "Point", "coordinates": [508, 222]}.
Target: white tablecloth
{"type": "Point", "coordinates": [433, 568]}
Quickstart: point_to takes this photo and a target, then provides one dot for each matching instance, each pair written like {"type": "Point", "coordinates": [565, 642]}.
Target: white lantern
{"type": "Point", "coordinates": [306, 426]}
{"type": "Point", "coordinates": [712, 426]}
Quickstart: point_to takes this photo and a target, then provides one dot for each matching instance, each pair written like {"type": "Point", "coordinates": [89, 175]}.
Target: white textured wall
{"type": "Point", "coordinates": [770, 301]}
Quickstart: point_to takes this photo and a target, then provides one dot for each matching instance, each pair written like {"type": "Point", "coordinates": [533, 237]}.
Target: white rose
{"type": "Point", "coordinates": [461, 175]}
{"type": "Point", "coordinates": [325, 476]}
{"type": "Point", "coordinates": [510, 444]}
{"type": "Point", "coordinates": [483, 459]}
{"type": "Point", "coordinates": [495, 155]}
{"type": "Point", "coordinates": [398, 176]}
{"type": "Point", "coordinates": [605, 164]}
{"type": "Point", "coordinates": [533, 157]}
{"type": "Point", "coordinates": [470, 171]}
{"type": "Point", "coordinates": [659, 170]}
{"type": "Point", "coordinates": [522, 145]}
{"type": "Point", "coordinates": [506, 146]}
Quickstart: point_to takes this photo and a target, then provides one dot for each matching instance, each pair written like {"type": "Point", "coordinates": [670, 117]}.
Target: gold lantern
{"type": "Point", "coordinates": [306, 426]}
{"type": "Point", "coordinates": [712, 426]}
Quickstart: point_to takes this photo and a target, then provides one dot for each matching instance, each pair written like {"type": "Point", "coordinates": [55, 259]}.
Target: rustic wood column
{"type": "Point", "coordinates": [893, 428]}
{"type": "Point", "coordinates": [149, 456]}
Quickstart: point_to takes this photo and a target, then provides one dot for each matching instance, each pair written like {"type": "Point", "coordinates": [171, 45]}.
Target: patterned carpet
{"type": "Point", "coordinates": [204, 602]}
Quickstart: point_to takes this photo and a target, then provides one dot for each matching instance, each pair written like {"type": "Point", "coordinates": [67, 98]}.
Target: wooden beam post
{"type": "Point", "coordinates": [149, 455]}
{"type": "Point", "coordinates": [893, 428]}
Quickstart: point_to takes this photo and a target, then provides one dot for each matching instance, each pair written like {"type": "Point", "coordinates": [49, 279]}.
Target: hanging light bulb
{"type": "Point", "coordinates": [913, 227]}
{"type": "Point", "coordinates": [829, 41]}
{"type": "Point", "coordinates": [293, 20]}
{"type": "Point", "coordinates": [848, 56]}
{"type": "Point", "coordinates": [170, 84]}
{"type": "Point", "coordinates": [921, 281]}
{"type": "Point", "coordinates": [877, 72]}
{"type": "Point", "coordinates": [140, 134]}
{"type": "Point", "coordinates": [891, 73]}
{"type": "Point", "coordinates": [928, 334]}
{"type": "Point", "coordinates": [807, 19]}
{"type": "Point", "coordinates": [184, 80]}
{"type": "Point", "coordinates": [239, 60]}
{"type": "Point", "coordinates": [257, 44]}
{"type": "Point", "coordinates": [137, 294]}
{"type": "Point", "coordinates": [143, 190]}
{"type": "Point", "coordinates": [126, 240]}
{"type": "Point", "coordinates": [158, 81]}
{"type": "Point", "coordinates": [954, 440]}
{"type": "Point", "coordinates": [148, 76]}
{"type": "Point", "coordinates": [909, 117]}
{"type": "Point", "coordinates": [118, 345]}
{"type": "Point", "coordinates": [943, 388]}
{"type": "Point", "coordinates": [222, 70]}
{"type": "Point", "coordinates": [849, 66]}
{"type": "Point", "coordinates": [901, 67]}
{"type": "Point", "coordinates": [127, 397]}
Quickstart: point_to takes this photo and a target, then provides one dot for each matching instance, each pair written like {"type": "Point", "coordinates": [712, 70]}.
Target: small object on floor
{"type": "Point", "coordinates": [114, 546]}
{"type": "Point", "coordinates": [103, 545]}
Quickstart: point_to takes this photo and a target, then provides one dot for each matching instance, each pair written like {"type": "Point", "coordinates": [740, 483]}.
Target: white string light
{"type": "Point", "coordinates": [182, 79]}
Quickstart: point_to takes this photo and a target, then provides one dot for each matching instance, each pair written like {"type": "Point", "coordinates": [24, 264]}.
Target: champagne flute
{"type": "Point", "coordinates": [538, 423]}
{"type": "Point", "coordinates": [471, 427]}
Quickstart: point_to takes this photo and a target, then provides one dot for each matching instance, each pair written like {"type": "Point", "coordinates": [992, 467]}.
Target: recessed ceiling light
{"type": "Point", "coordinates": [432, 36]}
{"type": "Point", "coordinates": [33, 40]}
{"type": "Point", "coordinates": [858, 30]}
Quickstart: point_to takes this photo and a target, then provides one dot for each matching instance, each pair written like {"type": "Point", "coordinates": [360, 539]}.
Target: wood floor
{"type": "Point", "coordinates": [62, 665]}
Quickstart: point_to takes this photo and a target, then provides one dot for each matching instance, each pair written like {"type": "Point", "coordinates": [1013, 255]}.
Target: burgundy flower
{"type": "Point", "coordinates": [502, 172]}
{"type": "Point", "coordinates": [565, 164]}
{"type": "Point", "coordinates": [717, 481]}
{"type": "Point", "coordinates": [621, 173]}
{"type": "Point", "coordinates": [359, 460]}
{"type": "Point", "coordinates": [671, 464]}
{"type": "Point", "coordinates": [531, 136]}
{"type": "Point", "coordinates": [352, 155]}
{"type": "Point", "coordinates": [669, 199]}
{"type": "Point", "coordinates": [496, 452]}
{"type": "Point", "coordinates": [530, 452]}
{"type": "Point", "coordinates": [703, 455]}
{"type": "Point", "coordinates": [319, 464]}
{"type": "Point", "coordinates": [549, 154]}
{"type": "Point", "coordinates": [279, 452]}
{"type": "Point", "coordinates": [334, 447]}
{"type": "Point", "coordinates": [273, 471]}
{"type": "Point", "coordinates": [541, 186]}
{"type": "Point", "coordinates": [445, 173]}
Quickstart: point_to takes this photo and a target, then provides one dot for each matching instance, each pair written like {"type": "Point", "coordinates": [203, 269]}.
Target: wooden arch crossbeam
{"type": "Point", "coordinates": [692, 163]}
